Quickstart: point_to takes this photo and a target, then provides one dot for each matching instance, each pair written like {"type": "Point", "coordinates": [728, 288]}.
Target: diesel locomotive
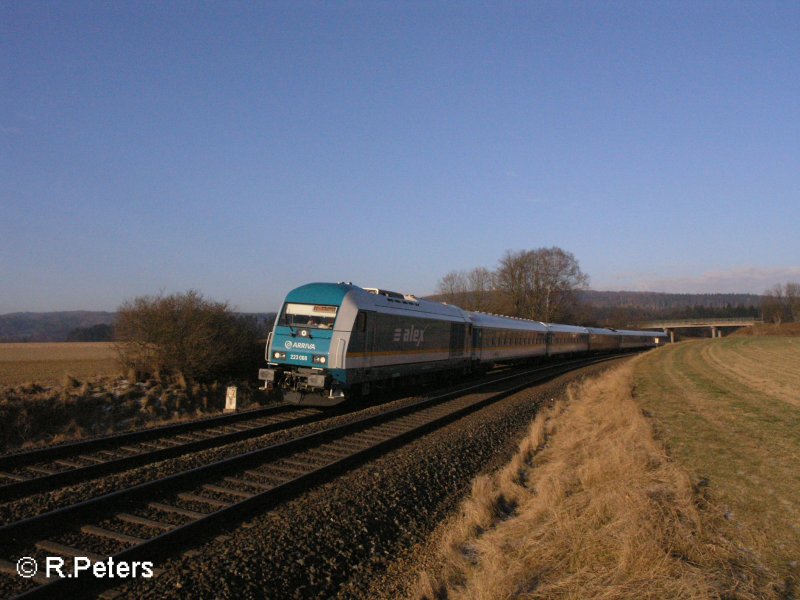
{"type": "Point", "coordinates": [336, 340]}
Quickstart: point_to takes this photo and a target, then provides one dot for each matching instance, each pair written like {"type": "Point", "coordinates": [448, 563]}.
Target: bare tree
{"type": "Point", "coordinates": [559, 276]}
{"type": "Point", "coordinates": [773, 304]}
{"type": "Point", "coordinates": [453, 288]}
{"type": "Point", "coordinates": [470, 290]}
{"type": "Point", "coordinates": [480, 288]}
{"type": "Point", "coordinates": [540, 284]}
{"type": "Point", "coordinates": [512, 279]}
{"type": "Point", "coordinates": [792, 292]}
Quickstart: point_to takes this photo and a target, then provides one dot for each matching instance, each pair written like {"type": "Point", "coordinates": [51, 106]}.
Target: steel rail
{"type": "Point", "coordinates": [25, 487]}
{"type": "Point", "coordinates": [20, 459]}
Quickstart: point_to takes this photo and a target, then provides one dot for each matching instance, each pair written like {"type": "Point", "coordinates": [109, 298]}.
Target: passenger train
{"type": "Point", "coordinates": [332, 341]}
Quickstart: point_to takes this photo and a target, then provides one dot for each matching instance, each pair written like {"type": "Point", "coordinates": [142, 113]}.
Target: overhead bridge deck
{"type": "Point", "coordinates": [715, 324]}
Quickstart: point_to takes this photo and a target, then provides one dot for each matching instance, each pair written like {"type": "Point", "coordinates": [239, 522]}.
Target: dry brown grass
{"type": "Point", "coordinates": [592, 507]}
{"type": "Point", "coordinates": [48, 363]}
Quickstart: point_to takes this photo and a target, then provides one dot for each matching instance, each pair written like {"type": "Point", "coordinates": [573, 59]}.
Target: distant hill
{"type": "Point", "coordinates": [48, 326]}
{"type": "Point", "coordinates": [78, 325]}
{"type": "Point", "coordinates": [627, 308]}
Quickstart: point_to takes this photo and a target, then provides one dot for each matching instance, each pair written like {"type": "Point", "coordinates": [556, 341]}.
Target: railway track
{"type": "Point", "coordinates": [53, 467]}
{"type": "Point", "coordinates": [151, 519]}
{"type": "Point", "coordinates": [49, 468]}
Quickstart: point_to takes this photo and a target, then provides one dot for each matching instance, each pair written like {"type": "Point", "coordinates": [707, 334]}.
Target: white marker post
{"type": "Point", "coordinates": [230, 399]}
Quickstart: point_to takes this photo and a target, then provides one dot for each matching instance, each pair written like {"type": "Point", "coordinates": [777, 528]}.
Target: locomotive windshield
{"type": "Point", "coordinates": [318, 316]}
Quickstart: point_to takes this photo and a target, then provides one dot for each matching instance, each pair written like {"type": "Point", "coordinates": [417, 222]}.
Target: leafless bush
{"type": "Point", "coordinates": [183, 335]}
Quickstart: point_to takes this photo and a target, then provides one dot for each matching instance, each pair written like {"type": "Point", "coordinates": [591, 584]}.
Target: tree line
{"type": "Point", "coordinates": [540, 284]}
{"type": "Point", "coordinates": [547, 284]}
{"type": "Point", "coordinates": [102, 332]}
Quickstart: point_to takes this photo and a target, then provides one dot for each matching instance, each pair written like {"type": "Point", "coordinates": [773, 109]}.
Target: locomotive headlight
{"type": "Point", "coordinates": [321, 360]}
{"type": "Point", "coordinates": [279, 355]}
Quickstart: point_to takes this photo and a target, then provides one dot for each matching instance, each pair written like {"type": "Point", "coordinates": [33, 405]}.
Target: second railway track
{"type": "Point", "coordinates": [152, 518]}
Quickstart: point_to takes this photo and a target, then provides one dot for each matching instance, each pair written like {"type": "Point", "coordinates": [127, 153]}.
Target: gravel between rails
{"type": "Point", "coordinates": [364, 534]}
{"type": "Point", "coordinates": [39, 503]}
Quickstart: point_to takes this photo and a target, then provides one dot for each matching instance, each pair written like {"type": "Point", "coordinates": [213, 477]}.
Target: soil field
{"type": "Point", "coordinates": [48, 362]}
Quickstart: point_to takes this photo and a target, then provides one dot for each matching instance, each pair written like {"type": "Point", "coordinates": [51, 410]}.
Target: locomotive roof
{"type": "Point", "coordinates": [371, 299]}
{"type": "Point", "coordinates": [380, 300]}
{"type": "Point", "coordinates": [320, 293]}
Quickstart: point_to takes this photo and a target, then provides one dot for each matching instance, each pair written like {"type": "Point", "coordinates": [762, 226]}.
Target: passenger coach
{"type": "Point", "coordinates": [501, 339]}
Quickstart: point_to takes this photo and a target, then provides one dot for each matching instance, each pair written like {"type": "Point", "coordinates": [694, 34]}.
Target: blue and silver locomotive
{"type": "Point", "coordinates": [331, 340]}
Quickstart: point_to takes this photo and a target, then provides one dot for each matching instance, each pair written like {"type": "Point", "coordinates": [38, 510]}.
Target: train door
{"type": "Point", "coordinates": [477, 343]}
{"type": "Point", "coordinates": [370, 322]}
{"type": "Point", "coordinates": [457, 340]}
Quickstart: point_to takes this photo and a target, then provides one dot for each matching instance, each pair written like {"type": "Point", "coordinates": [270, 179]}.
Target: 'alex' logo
{"type": "Point", "coordinates": [411, 334]}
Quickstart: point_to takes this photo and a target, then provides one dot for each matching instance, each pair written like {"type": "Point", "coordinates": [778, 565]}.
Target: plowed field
{"type": "Point", "coordinates": [49, 362]}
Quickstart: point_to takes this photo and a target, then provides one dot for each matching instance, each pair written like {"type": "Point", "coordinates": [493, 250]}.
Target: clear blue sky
{"type": "Point", "coordinates": [243, 151]}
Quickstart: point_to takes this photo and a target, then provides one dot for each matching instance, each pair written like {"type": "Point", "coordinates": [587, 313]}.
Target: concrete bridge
{"type": "Point", "coordinates": [715, 324]}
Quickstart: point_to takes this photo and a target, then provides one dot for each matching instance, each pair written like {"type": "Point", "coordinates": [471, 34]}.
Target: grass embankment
{"type": "Point", "coordinates": [49, 362]}
{"type": "Point", "coordinates": [730, 411]}
{"type": "Point", "coordinates": [596, 504]}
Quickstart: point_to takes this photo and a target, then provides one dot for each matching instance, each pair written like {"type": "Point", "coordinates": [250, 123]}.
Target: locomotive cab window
{"type": "Point", "coordinates": [317, 316]}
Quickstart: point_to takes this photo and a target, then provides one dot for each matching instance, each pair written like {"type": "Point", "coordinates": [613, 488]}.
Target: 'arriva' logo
{"type": "Point", "coordinates": [290, 345]}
